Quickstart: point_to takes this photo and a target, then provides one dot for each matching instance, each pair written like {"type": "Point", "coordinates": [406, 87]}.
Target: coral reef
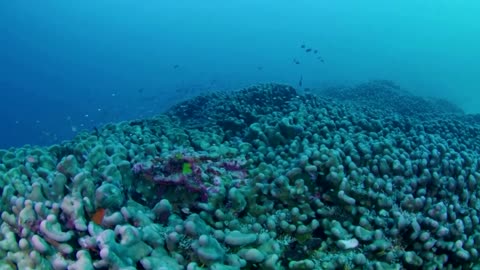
{"type": "Point", "coordinates": [368, 177]}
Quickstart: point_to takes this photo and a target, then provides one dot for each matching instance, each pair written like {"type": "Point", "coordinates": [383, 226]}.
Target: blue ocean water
{"type": "Point", "coordinates": [66, 66]}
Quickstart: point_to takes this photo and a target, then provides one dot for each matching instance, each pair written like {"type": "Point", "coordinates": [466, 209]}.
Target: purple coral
{"type": "Point", "coordinates": [232, 165]}
{"type": "Point", "coordinates": [138, 168]}
{"type": "Point", "coordinates": [170, 171]}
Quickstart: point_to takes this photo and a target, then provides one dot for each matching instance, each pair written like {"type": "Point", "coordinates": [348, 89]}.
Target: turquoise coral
{"type": "Point", "coordinates": [280, 181]}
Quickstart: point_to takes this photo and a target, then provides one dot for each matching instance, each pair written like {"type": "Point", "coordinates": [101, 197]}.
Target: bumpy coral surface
{"type": "Point", "coordinates": [367, 177]}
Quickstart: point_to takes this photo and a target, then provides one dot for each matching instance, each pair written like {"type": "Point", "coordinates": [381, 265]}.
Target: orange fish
{"type": "Point", "coordinates": [98, 216]}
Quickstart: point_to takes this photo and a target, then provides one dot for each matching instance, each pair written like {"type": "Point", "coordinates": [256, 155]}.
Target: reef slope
{"type": "Point", "coordinates": [369, 177]}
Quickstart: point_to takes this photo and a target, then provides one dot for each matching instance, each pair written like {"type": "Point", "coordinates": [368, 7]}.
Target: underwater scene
{"type": "Point", "coordinates": [224, 135]}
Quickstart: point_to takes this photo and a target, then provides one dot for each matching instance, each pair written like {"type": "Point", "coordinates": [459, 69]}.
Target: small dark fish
{"type": "Point", "coordinates": [321, 59]}
{"type": "Point", "coordinates": [308, 50]}
{"type": "Point", "coordinates": [300, 82]}
{"type": "Point", "coordinates": [303, 46]}
{"type": "Point", "coordinates": [140, 90]}
{"type": "Point", "coordinates": [296, 62]}
{"type": "Point", "coordinates": [315, 51]}
{"type": "Point", "coordinates": [260, 68]}
{"type": "Point", "coordinates": [97, 132]}
{"type": "Point", "coordinates": [175, 66]}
